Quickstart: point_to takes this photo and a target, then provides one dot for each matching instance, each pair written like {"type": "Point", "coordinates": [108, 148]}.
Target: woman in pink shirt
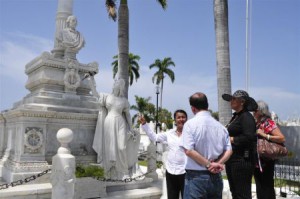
{"type": "Point", "coordinates": [264, 172]}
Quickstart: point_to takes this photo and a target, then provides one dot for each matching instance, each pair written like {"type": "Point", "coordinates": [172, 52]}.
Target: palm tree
{"type": "Point", "coordinates": [143, 106]}
{"type": "Point", "coordinates": [133, 67]}
{"type": "Point", "coordinates": [123, 35]}
{"type": "Point", "coordinates": [163, 68]}
{"type": "Point", "coordinates": [165, 116]}
{"type": "Point", "coordinates": [223, 58]}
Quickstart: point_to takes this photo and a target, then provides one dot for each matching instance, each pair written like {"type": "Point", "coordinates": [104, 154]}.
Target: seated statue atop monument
{"type": "Point", "coordinates": [69, 39]}
{"type": "Point", "coordinates": [115, 142]}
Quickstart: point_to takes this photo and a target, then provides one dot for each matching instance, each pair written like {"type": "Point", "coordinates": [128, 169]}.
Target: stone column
{"type": "Point", "coordinates": [151, 158]}
{"type": "Point", "coordinates": [64, 9]}
{"type": "Point", "coordinates": [63, 167]}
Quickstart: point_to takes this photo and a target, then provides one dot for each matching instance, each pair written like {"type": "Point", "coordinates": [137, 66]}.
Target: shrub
{"type": "Point", "coordinates": [89, 171]}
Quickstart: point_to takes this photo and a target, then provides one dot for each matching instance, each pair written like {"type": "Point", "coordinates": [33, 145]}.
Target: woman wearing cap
{"type": "Point", "coordinates": [264, 172]}
{"type": "Point", "coordinates": [242, 132]}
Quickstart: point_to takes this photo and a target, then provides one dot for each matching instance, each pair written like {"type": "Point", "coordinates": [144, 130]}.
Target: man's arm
{"type": "Point", "coordinates": [197, 157]}
{"type": "Point", "coordinates": [213, 167]}
{"type": "Point", "coordinates": [227, 150]}
{"type": "Point", "coordinates": [219, 166]}
{"type": "Point", "coordinates": [224, 157]}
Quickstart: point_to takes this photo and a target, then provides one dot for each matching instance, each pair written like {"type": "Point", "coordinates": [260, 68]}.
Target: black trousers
{"type": "Point", "coordinates": [265, 181]}
{"type": "Point", "coordinates": [175, 185]}
{"type": "Point", "coordinates": [239, 171]}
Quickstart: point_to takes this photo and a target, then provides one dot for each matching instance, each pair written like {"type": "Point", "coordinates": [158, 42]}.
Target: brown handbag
{"type": "Point", "coordinates": [271, 150]}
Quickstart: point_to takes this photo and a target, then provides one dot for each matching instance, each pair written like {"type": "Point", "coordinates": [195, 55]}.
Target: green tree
{"type": "Point", "coordinates": [143, 106]}
{"type": "Point", "coordinates": [133, 69]}
{"type": "Point", "coordinates": [214, 114]}
{"type": "Point", "coordinates": [165, 116]}
{"type": "Point", "coordinates": [162, 70]}
{"type": "Point", "coordinates": [123, 35]}
{"type": "Point", "coordinates": [223, 58]}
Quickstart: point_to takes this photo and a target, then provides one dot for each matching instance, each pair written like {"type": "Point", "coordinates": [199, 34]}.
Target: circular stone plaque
{"type": "Point", "coordinates": [33, 139]}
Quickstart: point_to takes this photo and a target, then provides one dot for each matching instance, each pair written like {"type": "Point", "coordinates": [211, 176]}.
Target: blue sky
{"type": "Point", "coordinates": [184, 32]}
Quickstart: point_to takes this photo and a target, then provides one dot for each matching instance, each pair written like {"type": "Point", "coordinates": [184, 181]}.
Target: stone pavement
{"type": "Point", "coordinates": [227, 194]}
{"type": "Point", "coordinates": [43, 191]}
{"type": "Point", "coordinates": [226, 190]}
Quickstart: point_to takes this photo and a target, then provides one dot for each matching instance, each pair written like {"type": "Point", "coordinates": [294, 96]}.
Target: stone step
{"type": "Point", "coordinates": [29, 191]}
{"type": "Point", "coordinates": [43, 191]}
{"type": "Point", "coordinates": [145, 193]}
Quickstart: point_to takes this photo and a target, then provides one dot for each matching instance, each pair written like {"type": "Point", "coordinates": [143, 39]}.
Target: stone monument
{"type": "Point", "coordinates": [58, 98]}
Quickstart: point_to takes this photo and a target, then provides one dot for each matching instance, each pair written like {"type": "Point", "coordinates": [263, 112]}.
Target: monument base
{"type": "Point", "coordinates": [38, 191]}
{"type": "Point", "coordinates": [14, 171]}
{"type": "Point", "coordinates": [30, 140]}
{"type": "Point", "coordinates": [122, 186]}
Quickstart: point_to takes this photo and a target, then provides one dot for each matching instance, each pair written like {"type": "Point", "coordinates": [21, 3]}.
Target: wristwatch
{"type": "Point", "coordinates": [208, 164]}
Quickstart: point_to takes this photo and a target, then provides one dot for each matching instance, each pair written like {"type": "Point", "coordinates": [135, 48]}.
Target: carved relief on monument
{"type": "Point", "coordinates": [69, 172]}
{"type": "Point", "coordinates": [71, 77]}
{"type": "Point", "coordinates": [33, 141]}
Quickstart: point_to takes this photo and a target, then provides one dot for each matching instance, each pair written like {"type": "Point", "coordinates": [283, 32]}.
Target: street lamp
{"type": "Point", "coordinates": [156, 118]}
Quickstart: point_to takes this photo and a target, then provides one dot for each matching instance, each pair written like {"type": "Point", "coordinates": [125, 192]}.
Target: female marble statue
{"type": "Point", "coordinates": [115, 142]}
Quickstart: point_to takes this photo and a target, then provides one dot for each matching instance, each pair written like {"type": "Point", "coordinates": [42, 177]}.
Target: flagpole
{"type": "Point", "coordinates": [247, 45]}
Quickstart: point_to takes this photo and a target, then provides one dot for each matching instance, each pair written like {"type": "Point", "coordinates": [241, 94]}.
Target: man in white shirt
{"type": "Point", "coordinates": [207, 146]}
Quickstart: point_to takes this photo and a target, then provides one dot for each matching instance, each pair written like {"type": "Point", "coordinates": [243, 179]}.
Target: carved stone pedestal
{"type": "Point", "coordinates": [30, 135]}
{"type": "Point", "coordinates": [58, 99]}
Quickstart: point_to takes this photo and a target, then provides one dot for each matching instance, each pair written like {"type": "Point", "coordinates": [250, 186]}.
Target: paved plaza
{"type": "Point", "coordinates": [43, 191]}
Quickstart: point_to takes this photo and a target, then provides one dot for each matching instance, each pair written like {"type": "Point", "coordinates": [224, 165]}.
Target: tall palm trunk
{"type": "Point", "coordinates": [161, 92]}
{"type": "Point", "coordinates": [123, 43]}
{"type": "Point", "coordinates": [223, 58]}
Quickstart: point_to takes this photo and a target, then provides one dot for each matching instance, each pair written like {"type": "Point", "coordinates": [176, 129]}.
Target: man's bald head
{"type": "Point", "coordinates": [199, 101]}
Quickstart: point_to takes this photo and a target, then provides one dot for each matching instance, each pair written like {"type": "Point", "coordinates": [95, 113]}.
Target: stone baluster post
{"type": "Point", "coordinates": [151, 158]}
{"type": "Point", "coordinates": [63, 167]}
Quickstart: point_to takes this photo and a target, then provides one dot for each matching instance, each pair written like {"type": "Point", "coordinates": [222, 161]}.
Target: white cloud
{"type": "Point", "coordinates": [104, 81]}
{"type": "Point", "coordinates": [175, 95]}
{"type": "Point", "coordinates": [16, 50]}
{"type": "Point", "coordinates": [286, 104]}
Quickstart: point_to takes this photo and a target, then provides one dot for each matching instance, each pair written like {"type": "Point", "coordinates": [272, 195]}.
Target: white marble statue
{"type": "Point", "coordinates": [115, 142]}
{"type": "Point", "coordinates": [69, 39]}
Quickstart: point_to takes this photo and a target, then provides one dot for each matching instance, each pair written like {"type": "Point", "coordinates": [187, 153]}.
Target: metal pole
{"type": "Point", "coordinates": [248, 12]}
{"type": "Point", "coordinates": [156, 122]}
